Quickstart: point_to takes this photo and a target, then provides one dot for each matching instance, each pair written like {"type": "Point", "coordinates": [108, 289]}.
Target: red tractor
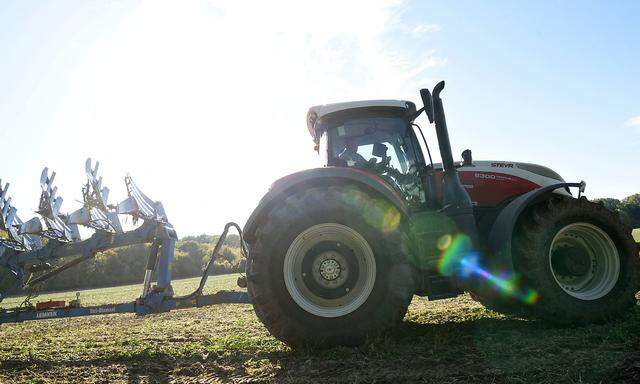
{"type": "Point", "coordinates": [337, 253]}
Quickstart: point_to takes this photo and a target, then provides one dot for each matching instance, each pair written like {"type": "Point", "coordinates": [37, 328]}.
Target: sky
{"type": "Point", "coordinates": [204, 102]}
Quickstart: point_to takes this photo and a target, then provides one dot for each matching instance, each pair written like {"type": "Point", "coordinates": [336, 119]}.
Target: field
{"type": "Point", "coordinates": [456, 341]}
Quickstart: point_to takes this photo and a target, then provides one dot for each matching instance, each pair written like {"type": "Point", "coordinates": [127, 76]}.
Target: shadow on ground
{"type": "Point", "coordinates": [485, 350]}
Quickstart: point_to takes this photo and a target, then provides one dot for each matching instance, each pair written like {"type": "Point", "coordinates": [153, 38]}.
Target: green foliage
{"type": "Point", "coordinates": [628, 208]}
{"type": "Point", "coordinates": [631, 208]}
{"type": "Point", "coordinates": [609, 203]}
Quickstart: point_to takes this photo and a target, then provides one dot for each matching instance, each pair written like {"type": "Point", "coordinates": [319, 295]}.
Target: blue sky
{"type": "Point", "coordinates": [204, 103]}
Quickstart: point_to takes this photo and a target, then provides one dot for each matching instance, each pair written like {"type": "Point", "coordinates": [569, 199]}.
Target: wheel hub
{"type": "Point", "coordinates": [584, 261]}
{"type": "Point", "coordinates": [330, 269]}
{"type": "Point", "coordinates": [571, 261]}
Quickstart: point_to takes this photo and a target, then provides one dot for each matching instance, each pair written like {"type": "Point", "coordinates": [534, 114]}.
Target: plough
{"type": "Point", "coordinates": [32, 247]}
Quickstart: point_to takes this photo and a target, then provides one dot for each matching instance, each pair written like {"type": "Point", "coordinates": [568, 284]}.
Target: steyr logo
{"type": "Point", "coordinates": [502, 165]}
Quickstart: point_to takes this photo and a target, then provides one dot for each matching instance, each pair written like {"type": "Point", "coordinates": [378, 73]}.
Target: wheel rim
{"type": "Point", "coordinates": [584, 261]}
{"type": "Point", "coordinates": [329, 270]}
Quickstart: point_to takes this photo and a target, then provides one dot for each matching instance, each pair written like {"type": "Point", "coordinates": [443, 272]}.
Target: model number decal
{"type": "Point", "coordinates": [492, 176]}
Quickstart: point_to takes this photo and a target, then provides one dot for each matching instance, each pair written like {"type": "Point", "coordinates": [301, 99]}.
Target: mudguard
{"type": "Point", "coordinates": [317, 176]}
{"type": "Point", "coordinates": [500, 237]}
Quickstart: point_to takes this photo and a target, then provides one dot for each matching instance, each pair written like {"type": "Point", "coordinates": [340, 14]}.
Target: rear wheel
{"type": "Point", "coordinates": [328, 266]}
{"type": "Point", "coordinates": [580, 258]}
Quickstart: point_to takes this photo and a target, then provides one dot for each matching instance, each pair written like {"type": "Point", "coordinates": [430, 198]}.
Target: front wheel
{"type": "Point", "coordinates": [580, 258]}
{"type": "Point", "coordinates": [328, 266]}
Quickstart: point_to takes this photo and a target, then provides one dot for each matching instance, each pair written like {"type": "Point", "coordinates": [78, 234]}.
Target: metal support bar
{"type": "Point", "coordinates": [216, 249]}
{"type": "Point", "coordinates": [151, 266]}
{"type": "Point", "coordinates": [58, 270]}
{"type": "Point", "coordinates": [138, 307]}
{"type": "Point", "coordinates": [98, 242]}
{"type": "Point", "coordinates": [166, 256]}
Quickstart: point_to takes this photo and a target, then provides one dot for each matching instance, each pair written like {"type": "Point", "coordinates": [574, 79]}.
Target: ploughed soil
{"type": "Point", "coordinates": [447, 341]}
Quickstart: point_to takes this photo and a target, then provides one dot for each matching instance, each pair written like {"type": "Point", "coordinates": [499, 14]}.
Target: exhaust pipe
{"type": "Point", "coordinates": [457, 203]}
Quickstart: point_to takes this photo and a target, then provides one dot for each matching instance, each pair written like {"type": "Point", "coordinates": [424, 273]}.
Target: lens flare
{"type": "Point", "coordinates": [458, 248]}
{"type": "Point", "coordinates": [378, 213]}
{"type": "Point", "coordinates": [459, 258]}
{"type": "Point", "coordinates": [444, 242]}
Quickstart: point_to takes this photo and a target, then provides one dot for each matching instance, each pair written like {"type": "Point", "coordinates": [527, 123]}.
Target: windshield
{"type": "Point", "coordinates": [370, 140]}
{"type": "Point", "coordinates": [383, 145]}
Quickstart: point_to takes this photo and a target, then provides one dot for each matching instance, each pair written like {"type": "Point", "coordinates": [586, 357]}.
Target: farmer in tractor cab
{"type": "Point", "coordinates": [350, 154]}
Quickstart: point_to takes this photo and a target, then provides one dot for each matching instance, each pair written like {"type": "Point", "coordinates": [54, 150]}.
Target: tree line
{"type": "Point", "coordinates": [628, 208]}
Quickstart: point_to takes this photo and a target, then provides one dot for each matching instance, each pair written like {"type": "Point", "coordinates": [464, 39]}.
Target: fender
{"type": "Point", "coordinates": [316, 176]}
{"type": "Point", "coordinates": [500, 237]}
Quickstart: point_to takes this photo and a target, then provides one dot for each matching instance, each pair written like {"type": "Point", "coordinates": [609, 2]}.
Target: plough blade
{"type": "Point", "coordinates": [49, 209]}
{"type": "Point", "coordinates": [31, 227]}
{"type": "Point", "coordinates": [10, 222]}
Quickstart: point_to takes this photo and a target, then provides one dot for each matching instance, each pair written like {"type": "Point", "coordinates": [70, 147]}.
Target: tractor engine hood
{"type": "Point", "coordinates": [533, 172]}
{"type": "Point", "coordinates": [491, 182]}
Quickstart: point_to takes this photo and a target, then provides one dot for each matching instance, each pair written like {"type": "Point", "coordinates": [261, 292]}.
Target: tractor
{"type": "Point", "coordinates": [336, 254]}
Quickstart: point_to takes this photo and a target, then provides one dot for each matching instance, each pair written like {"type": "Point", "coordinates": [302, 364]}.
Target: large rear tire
{"type": "Point", "coordinates": [580, 258]}
{"type": "Point", "coordinates": [328, 266]}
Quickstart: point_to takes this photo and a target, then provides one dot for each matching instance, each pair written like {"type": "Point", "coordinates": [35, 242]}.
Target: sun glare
{"type": "Point", "coordinates": [204, 103]}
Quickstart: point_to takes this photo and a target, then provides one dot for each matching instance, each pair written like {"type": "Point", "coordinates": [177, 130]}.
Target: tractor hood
{"type": "Point", "coordinates": [490, 183]}
{"type": "Point", "coordinates": [533, 172]}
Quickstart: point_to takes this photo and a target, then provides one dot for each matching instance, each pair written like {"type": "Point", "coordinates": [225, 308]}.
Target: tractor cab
{"type": "Point", "coordinates": [375, 136]}
{"type": "Point", "coordinates": [378, 136]}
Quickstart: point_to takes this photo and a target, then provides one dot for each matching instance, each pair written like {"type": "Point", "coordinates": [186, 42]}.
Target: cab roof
{"type": "Point", "coordinates": [319, 111]}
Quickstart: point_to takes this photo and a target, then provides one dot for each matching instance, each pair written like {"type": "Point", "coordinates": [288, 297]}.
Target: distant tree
{"type": "Point", "coordinates": [204, 239]}
{"type": "Point", "coordinates": [630, 208]}
{"type": "Point", "coordinates": [194, 249]}
{"type": "Point", "coordinates": [609, 203]}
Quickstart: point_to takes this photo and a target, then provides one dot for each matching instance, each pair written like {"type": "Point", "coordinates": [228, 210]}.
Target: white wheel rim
{"type": "Point", "coordinates": [334, 269]}
{"type": "Point", "coordinates": [602, 270]}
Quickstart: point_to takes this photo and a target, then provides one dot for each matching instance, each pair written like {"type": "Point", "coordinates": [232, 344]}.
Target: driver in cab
{"type": "Point", "coordinates": [351, 156]}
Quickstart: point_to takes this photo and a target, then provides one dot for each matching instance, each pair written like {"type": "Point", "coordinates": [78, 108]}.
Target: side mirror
{"type": "Point", "coordinates": [428, 103]}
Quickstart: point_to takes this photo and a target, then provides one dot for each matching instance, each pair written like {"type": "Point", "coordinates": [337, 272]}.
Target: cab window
{"type": "Point", "coordinates": [373, 140]}
{"type": "Point", "coordinates": [382, 145]}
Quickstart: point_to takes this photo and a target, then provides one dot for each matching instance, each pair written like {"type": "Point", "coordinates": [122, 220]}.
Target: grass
{"type": "Point", "coordinates": [455, 341]}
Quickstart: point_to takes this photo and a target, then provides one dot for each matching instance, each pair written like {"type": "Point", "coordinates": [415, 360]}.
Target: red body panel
{"type": "Point", "coordinates": [490, 188]}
